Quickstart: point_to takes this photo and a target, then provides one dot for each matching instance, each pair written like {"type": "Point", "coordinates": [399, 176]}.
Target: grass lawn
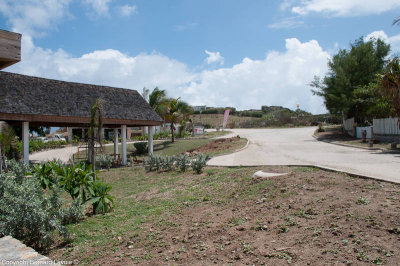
{"type": "Point", "coordinates": [225, 216]}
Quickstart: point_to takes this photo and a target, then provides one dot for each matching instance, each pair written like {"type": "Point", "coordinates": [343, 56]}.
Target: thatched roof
{"type": "Point", "coordinates": [36, 97]}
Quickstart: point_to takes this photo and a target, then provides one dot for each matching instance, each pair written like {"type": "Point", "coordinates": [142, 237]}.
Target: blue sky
{"type": "Point", "coordinates": [219, 53]}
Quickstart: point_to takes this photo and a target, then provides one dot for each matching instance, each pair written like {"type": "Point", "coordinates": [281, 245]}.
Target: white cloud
{"type": "Point", "coordinates": [31, 17]}
{"type": "Point", "coordinates": [394, 41]}
{"type": "Point", "coordinates": [214, 57]}
{"type": "Point", "coordinates": [343, 7]}
{"type": "Point", "coordinates": [100, 7]}
{"type": "Point", "coordinates": [278, 79]}
{"type": "Point", "coordinates": [287, 23]}
{"type": "Point", "coordinates": [127, 10]}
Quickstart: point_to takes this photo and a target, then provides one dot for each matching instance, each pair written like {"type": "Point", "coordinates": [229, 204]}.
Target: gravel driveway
{"type": "Point", "coordinates": [296, 146]}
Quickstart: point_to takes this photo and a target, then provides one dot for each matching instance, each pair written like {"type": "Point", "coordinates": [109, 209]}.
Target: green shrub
{"type": "Point", "coordinates": [104, 161]}
{"type": "Point", "coordinates": [28, 214]}
{"type": "Point", "coordinates": [74, 213]}
{"type": "Point", "coordinates": [154, 162]}
{"type": "Point", "coordinates": [141, 147]}
{"type": "Point", "coordinates": [199, 163]}
{"type": "Point", "coordinates": [76, 179]}
{"type": "Point", "coordinates": [167, 163]}
{"type": "Point", "coordinates": [18, 168]}
{"type": "Point", "coordinates": [183, 162]}
{"type": "Point", "coordinates": [100, 197]}
{"type": "Point", "coordinates": [45, 173]}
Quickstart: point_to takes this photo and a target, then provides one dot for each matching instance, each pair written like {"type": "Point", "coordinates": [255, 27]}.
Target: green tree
{"type": "Point", "coordinates": [389, 83]}
{"type": "Point", "coordinates": [349, 70]}
{"type": "Point", "coordinates": [370, 103]}
{"type": "Point", "coordinates": [177, 110]}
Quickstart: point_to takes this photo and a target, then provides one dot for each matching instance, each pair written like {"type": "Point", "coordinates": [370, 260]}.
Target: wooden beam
{"type": "Point", "coordinates": [64, 121]}
{"type": "Point", "coordinates": [10, 48]}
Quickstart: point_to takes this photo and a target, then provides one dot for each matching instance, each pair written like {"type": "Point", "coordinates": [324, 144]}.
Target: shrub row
{"type": "Point", "coordinates": [156, 136]}
{"type": "Point", "coordinates": [182, 163]}
{"type": "Point", "coordinates": [38, 145]}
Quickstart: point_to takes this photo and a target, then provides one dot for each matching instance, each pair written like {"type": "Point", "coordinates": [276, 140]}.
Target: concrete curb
{"type": "Point", "coordinates": [351, 146]}
{"type": "Point", "coordinates": [13, 251]}
{"type": "Point", "coordinates": [238, 150]}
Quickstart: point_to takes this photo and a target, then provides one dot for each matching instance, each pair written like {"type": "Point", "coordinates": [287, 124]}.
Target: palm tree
{"type": "Point", "coordinates": [158, 101]}
{"type": "Point", "coordinates": [176, 111]}
{"type": "Point", "coordinates": [396, 21]}
{"type": "Point", "coordinates": [96, 122]}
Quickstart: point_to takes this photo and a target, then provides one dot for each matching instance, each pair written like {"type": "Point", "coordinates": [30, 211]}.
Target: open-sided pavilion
{"type": "Point", "coordinates": [37, 101]}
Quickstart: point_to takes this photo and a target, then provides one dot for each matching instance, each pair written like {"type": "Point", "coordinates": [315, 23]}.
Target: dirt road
{"type": "Point", "coordinates": [296, 146]}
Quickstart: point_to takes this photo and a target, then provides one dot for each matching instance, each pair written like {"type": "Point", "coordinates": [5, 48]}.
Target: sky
{"type": "Point", "coordinates": [219, 53]}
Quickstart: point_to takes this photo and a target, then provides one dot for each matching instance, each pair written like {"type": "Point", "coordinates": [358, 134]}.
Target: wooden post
{"type": "Point", "coordinates": [25, 141]}
{"type": "Point", "coordinates": [115, 143]}
{"type": "Point", "coordinates": [123, 140]}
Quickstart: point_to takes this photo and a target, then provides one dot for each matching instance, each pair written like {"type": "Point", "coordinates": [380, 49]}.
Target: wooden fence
{"type": "Point", "coordinates": [386, 126]}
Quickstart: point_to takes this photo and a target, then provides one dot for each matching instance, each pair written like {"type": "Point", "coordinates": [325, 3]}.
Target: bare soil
{"type": "Point", "coordinates": [213, 147]}
{"type": "Point", "coordinates": [308, 217]}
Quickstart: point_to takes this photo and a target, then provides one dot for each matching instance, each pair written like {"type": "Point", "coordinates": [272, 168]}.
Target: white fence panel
{"type": "Point", "coordinates": [348, 125]}
{"type": "Point", "coordinates": [386, 126]}
{"type": "Point", "coordinates": [359, 131]}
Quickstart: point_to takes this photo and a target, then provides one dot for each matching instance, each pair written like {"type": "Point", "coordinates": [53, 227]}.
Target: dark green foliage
{"type": "Point", "coordinates": [156, 136]}
{"type": "Point", "coordinates": [370, 103]}
{"type": "Point", "coordinates": [100, 197]}
{"type": "Point", "coordinates": [45, 174]}
{"type": "Point", "coordinates": [217, 110]}
{"type": "Point", "coordinates": [141, 147]}
{"type": "Point", "coordinates": [76, 180]}
{"type": "Point", "coordinates": [38, 145]}
{"type": "Point", "coordinates": [349, 70]}
{"type": "Point", "coordinates": [389, 85]}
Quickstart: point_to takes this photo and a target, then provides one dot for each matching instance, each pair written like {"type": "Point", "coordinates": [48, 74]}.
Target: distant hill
{"type": "Point", "coordinates": [267, 116]}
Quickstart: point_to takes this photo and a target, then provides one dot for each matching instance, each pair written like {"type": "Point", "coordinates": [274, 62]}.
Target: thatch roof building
{"type": "Point", "coordinates": [58, 103]}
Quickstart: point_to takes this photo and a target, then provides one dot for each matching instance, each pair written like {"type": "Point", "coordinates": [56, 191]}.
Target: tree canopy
{"type": "Point", "coordinates": [350, 70]}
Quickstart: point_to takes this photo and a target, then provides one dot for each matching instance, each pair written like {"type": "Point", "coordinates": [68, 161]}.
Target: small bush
{"type": "Point", "coordinates": [100, 197]}
{"type": "Point", "coordinates": [104, 161]}
{"type": "Point", "coordinates": [18, 168]}
{"type": "Point", "coordinates": [153, 163]}
{"type": "Point", "coordinates": [141, 147]}
{"type": "Point", "coordinates": [167, 163]}
{"type": "Point", "coordinates": [74, 213]}
{"type": "Point", "coordinates": [183, 162]}
{"type": "Point", "coordinates": [199, 163]}
{"type": "Point", "coordinates": [321, 128]}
